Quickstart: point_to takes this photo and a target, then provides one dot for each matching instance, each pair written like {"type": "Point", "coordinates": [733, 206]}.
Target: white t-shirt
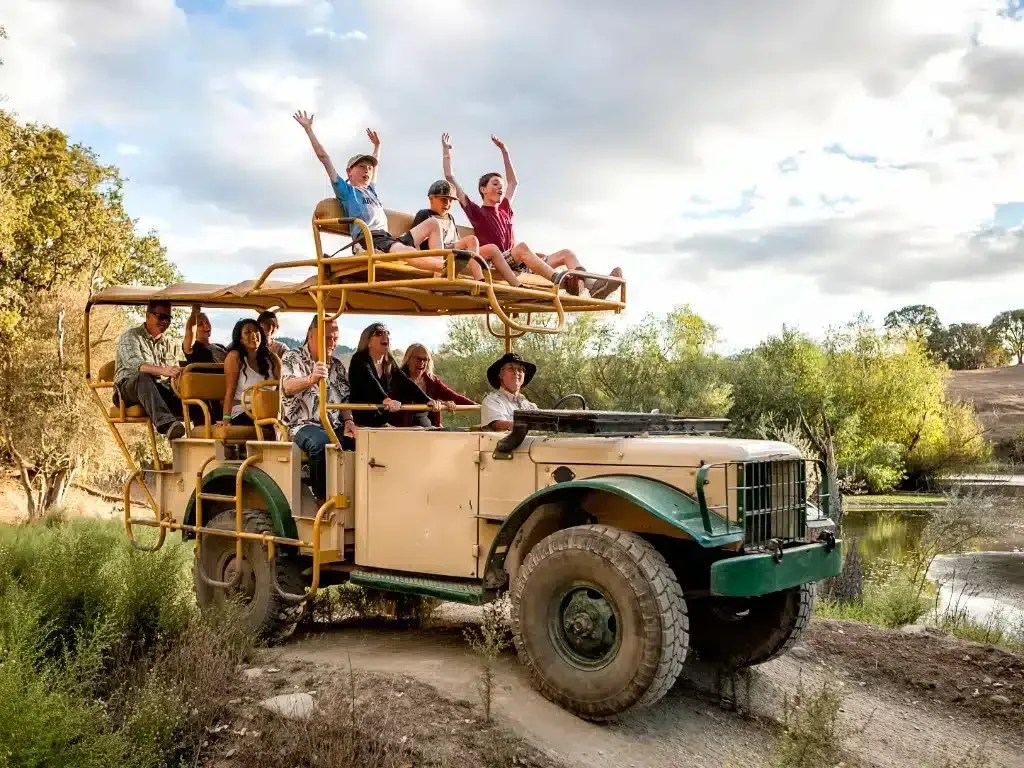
{"type": "Point", "coordinates": [501, 405]}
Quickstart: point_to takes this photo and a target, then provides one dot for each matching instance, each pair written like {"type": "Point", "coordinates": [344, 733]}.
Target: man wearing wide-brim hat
{"type": "Point", "coordinates": [508, 375]}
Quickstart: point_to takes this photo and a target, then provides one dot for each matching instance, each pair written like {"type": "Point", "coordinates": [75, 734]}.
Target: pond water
{"type": "Point", "coordinates": [987, 581]}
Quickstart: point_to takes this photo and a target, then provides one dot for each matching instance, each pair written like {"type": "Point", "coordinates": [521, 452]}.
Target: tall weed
{"type": "Point", "coordinates": [103, 658]}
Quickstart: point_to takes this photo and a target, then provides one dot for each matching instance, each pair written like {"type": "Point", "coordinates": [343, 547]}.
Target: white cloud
{"type": "Point", "coordinates": [700, 152]}
{"type": "Point", "coordinates": [267, 3]}
{"type": "Point", "coordinates": [354, 34]}
{"type": "Point", "coordinates": [128, 149]}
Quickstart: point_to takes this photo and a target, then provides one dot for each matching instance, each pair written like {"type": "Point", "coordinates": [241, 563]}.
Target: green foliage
{"type": "Point", "coordinates": [62, 221]}
{"type": "Point", "coordinates": [883, 467]}
{"type": "Point", "coordinates": [917, 321]}
{"type": "Point", "coordinates": [892, 598]}
{"type": "Point", "coordinates": [812, 735]}
{"type": "Point", "coordinates": [1008, 328]}
{"type": "Point", "coordinates": [103, 659]}
{"type": "Point", "coordinates": [969, 346]}
{"type": "Point", "coordinates": [665, 364]}
{"type": "Point", "coordinates": [881, 397]}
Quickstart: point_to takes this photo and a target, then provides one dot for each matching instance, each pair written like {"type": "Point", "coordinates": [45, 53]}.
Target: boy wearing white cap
{"type": "Point", "coordinates": [357, 194]}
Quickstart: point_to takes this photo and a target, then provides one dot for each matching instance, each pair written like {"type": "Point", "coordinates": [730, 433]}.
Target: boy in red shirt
{"type": "Point", "coordinates": [494, 226]}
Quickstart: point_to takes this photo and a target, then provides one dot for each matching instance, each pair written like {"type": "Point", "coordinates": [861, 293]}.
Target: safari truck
{"type": "Point", "coordinates": [626, 541]}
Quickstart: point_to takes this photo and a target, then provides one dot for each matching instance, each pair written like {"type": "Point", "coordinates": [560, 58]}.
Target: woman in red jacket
{"type": "Point", "coordinates": [419, 366]}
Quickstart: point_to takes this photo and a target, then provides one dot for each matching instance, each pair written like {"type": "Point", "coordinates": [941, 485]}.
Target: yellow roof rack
{"type": "Point", "coordinates": [370, 282]}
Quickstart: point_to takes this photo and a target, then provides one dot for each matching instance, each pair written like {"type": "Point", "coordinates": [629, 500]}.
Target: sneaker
{"type": "Point", "coordinates": [573, 284]}
{"type": "Point", "coordinates": [176, 430]}
{"type": "Point", "coordinates": [601, 289]}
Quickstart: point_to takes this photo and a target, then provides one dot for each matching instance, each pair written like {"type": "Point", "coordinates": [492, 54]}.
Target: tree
{"type": "Point", "coordinates": [917, 320]}
{"type": "Point", "coordinates": [659, 363]}
{"type": "Point", "coordinates": [63, 233]}
{"type": "Point", "coordinates": [62, 222]}
{"type": "Point", "coordinates": [48, 424]}
{"type": "Point", "coordinates": [1008, 327]}
{"type": "Point", "coordinates": [968, 346]}
{"type": "Point", "coordinates": [856, 395]}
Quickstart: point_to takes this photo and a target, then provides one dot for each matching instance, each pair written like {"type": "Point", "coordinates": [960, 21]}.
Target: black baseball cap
{"type": "Point", "coordinates": [442, 188]}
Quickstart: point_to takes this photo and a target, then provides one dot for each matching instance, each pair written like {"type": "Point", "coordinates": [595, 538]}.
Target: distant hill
{"type": "Point", "coordinates": [998, 397]}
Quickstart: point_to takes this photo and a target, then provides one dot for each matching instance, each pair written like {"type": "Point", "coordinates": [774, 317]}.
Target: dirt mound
{"type": "Point", "coordinates": [977, 681]}
{"type": "Point", "coordinates": [998, 397]}
{"type": "Point", "coordinates": [398, 723]}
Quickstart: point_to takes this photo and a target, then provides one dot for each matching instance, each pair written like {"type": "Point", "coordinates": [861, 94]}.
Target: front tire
{"type": "Point", "coordinates": [266, 615]}
{"type": "Point", "coordinates": [743, 632]}
{"type": "Point", "coordinates": [599, 619]}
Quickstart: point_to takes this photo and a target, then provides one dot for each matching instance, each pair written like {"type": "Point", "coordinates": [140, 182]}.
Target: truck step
{"type": "Point", "coordinates": [452, 590]}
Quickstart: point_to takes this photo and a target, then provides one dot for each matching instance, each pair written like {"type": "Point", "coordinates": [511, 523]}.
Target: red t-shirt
{"type": "Point", "coordinates": [493, 225]}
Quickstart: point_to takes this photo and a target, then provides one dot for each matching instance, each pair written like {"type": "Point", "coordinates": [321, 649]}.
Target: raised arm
{"type": "Point", "coordinates": [190, 329]}
{"type": "Point", "coordinates": [375, 140]}
{"type": "Point", "coordinates": [511, 181]}
{"type": "Point", "coordinates": [306, 121]}
{"type": "Point", "coordinates": [446, 164]}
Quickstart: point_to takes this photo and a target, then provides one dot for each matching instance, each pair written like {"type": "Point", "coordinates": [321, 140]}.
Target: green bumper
{"type": "Point", "coordinates": [752, 575]}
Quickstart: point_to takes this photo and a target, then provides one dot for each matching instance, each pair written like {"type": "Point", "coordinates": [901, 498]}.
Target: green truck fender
{"type": "Point", "coordinates": [655, 497]}
{"type": "Point", "coordinates": [222, 480]}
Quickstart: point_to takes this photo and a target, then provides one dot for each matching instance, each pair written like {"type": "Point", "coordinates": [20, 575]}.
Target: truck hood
{"type": "Point", "coordinates": [669, 451]}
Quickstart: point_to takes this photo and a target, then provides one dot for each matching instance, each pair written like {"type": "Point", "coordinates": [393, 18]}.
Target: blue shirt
{"type": "Point", "coordinates": [361, 204]}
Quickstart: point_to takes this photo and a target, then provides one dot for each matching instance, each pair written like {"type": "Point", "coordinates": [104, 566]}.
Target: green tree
{"type": "Point", "coordinates": [63, 233]}
{"type": "Point", "coordinates": [917, 320]}
{"type": "Point", "coordinates": [969, 346]}
{"type": "Point", "coordinates": [63, 222]}
{"type": "Point", "coordinates": [659, 363]}
{"type": "Point", "coordinates": [1008, 327]}
{"type": "Point", "coordinates": [856, 396]}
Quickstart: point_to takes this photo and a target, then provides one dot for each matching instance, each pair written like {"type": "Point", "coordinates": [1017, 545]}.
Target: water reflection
{"type": "Point", "coordinates": [892, 533]}
{"type": "Point", "coordinates": [994, 568]}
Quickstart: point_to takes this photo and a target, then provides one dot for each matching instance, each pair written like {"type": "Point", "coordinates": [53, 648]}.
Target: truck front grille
{"type": "Point", "coordinates": [772, 501]}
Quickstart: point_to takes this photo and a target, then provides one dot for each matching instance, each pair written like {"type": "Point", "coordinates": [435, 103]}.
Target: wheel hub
{"type": "Point", "coordinates": [586, 628]}
{"type": "Point", "coordinates": [247, 584]}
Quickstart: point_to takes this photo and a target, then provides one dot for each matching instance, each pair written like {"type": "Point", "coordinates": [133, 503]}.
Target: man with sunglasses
{"type": "Point", "coordinates": [145, 363]}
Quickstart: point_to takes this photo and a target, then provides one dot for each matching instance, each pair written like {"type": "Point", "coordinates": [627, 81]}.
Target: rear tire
{"type": "Point", "coordinates": [599, 619]}
{"type": "Point", "coordinates": [266, 615]}
{"type": "Point", "coordinates": [743, 632]}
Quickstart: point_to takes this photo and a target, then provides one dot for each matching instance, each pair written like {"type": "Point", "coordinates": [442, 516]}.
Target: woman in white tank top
{"type": "Point", "coordinates": [249, 361]}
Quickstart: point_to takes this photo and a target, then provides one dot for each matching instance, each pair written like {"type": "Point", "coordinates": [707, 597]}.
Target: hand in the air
{"type": "Point", "coordinates": [304, 119]}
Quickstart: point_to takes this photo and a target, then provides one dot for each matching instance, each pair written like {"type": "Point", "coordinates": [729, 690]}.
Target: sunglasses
{"type": "Point", "coordinates": [381, 332]}
{"type": "Point", "coordinates": [419, 359]}
{"type": "Point", "coordinates": [162, 316]}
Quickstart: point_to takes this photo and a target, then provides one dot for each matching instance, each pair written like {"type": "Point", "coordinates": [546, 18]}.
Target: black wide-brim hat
{"type": "Point", "coordinates": [494, 372]}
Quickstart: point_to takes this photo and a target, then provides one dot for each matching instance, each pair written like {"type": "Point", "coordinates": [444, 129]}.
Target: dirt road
{"type": "Point", "coordinates": [690, 726]}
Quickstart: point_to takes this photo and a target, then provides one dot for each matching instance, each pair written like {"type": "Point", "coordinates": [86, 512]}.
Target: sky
{"type": "Point", "coordinates": [786, 163]}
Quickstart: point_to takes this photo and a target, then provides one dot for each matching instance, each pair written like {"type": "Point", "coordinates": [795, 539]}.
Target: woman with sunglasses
{"type": "Point", "coordinates": [375, 377]}
{"type": "Point", "coordinates": [418, 365]}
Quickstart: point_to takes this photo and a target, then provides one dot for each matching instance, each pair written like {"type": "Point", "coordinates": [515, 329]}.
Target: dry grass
{"type": "Point", "coordinates": [488, 640]}
{"type": "Point", "coordinates": [396, 722]}
{"type": "Point", "coordinates": [812, 735]}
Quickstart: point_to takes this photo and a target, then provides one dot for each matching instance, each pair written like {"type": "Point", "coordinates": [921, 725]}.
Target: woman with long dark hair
{"type": "Point", "coordinates": [375, 377]}
{"type": "Point", "coordinates": [248, 362]}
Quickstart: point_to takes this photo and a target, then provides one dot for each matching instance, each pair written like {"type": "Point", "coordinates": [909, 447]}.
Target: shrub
{"type": "Point", "coordinates": [883, 467]}
{"type": "Point", "coordinates": [811, 733]}
{"type": "Point", "coordinates": [103, 658]}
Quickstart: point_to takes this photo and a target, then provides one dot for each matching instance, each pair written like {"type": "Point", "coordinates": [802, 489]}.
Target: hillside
{"type": "Point", "coordinates": [998, 396]}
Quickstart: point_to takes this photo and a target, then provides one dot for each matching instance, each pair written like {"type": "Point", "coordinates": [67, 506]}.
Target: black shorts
{"type": "Point", "coordinates": [384, 242]}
